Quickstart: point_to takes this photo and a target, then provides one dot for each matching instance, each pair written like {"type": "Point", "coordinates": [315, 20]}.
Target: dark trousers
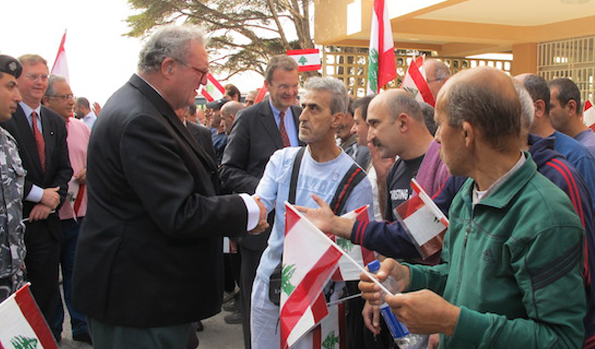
{"type": "Point", "coordinates": [106, 336]}
{"type": "Point", "coordinates": [78, 321]}
{"type": "Point", "coordinates": [250, 261]}
{"type": "Point", "coordinates": [43, 254]}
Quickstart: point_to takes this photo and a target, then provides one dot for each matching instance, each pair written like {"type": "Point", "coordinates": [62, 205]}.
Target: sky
{"type": "Point", "coordinates": [100, 59]}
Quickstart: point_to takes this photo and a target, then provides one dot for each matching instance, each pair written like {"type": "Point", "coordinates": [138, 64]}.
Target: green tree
{"type": "Point", "coordinates": [244, 34]}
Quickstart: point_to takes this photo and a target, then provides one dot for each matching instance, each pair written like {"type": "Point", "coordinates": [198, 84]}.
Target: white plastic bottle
{"type": "Point", "coordinates": [401, 335]}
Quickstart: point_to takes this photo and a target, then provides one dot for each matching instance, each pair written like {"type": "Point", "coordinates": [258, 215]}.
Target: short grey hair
{"type": "Point", "coordinates": [51, 91]}
{"type": "Point", "coordinates": [170, 41]}
{"type": "Point", "coordinates": [527, 107]}
{"type": "Point", "coordinates": [339, 98]}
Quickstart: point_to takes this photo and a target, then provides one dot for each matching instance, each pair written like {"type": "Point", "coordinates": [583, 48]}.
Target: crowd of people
{"type": "Point", "coordinates": [132, 202]}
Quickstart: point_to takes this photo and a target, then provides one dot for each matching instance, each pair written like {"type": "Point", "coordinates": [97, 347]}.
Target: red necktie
{"type": "Point", "coordinates": [284, 136]}
{"type": "Point", "coordinates": [38, 140]}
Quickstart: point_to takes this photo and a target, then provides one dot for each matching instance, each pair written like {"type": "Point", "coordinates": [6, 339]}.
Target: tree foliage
{"type": "Point", "coordinates": [244, 34]}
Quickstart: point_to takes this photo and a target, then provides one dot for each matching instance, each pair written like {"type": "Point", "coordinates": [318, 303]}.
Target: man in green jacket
{"type": "Point", "coordinates": [511, 276]}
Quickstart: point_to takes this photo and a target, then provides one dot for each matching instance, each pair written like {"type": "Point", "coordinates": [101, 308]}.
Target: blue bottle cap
{"type": "Point", "coordinates": [374, 266]}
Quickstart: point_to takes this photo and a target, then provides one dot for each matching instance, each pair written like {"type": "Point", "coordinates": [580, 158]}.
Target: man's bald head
{"type": "Point", "coordinates": [397, 101]}
{"type": "Point", "coordinates": [228, 114]}
{"type": "Point", "coordinates": [485, 98]}
{"type": "Point", "coordinates": [437, 73]}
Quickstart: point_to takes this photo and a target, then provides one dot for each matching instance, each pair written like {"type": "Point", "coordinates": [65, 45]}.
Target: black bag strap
{"type": "Point", "coordinates": [295, 173]}
{"type": "Point", "coordinates": [349, 181]}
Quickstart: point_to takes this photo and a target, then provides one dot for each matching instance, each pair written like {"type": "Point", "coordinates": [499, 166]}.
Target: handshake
{"type": "Point", "coordinates": [262, 220]}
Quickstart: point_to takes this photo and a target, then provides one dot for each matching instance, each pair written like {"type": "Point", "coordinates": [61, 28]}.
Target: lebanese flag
{"type": "Point", "coordinates": [416, 84]}
{"type": "Point", "coordinates": [307, 60]}
{"type": "Point", "coordinates": [60, 66]}
{"type": "Point", "coordinates": [213, 89]}
{"type": "Point", "coordinates": [347, 270]}
{"type": "Point", "coordinates": [21, 323]}
{"type": "Point", "coordinates": [381, 61]}
{"type": "Point", "coordinates": [423, 221]}
{"type": "Point", "coordinates": [589, 115]}
{"type": "Point", "coordinates": [331, 330]}
{"type": "Point", "coordinates": [309, 260]}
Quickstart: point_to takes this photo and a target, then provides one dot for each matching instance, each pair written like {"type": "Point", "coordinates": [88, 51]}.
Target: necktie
{"type": "Point", "coordinates": [284, 136]}
{"type": "Point", "coordinates": [38, 140]}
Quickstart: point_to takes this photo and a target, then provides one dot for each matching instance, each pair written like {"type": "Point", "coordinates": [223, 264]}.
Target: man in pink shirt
{"type": "Point", "coordinates": [60, 99]}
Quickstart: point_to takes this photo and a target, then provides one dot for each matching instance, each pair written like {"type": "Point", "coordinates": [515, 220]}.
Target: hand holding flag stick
{"type": "Point", "coordinates": [320, 235]}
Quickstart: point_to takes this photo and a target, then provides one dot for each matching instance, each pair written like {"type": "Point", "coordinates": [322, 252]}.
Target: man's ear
{"type": "Point", "coordinates": [469, 133]}
{"type": "Point", "coordinates": [167, 66]}
{"type": "Point", "coordinates": [403, 122]}
{"type": "Point", "coordinates": [336, 119]}
{"type": "Point", "coordinates": [572, 107]}
{"type": "Point", "coordinates": [45, 101]}
{"type": "Point", "coordinates": [539, 108]}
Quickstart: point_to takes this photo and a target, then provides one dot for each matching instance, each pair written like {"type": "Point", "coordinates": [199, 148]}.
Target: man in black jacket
{"type": "Point", "coordinates": [149, 257]}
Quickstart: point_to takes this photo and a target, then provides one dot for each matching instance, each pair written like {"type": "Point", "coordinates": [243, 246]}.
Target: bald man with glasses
{"type": "Point", "coordinates": [41, 136]}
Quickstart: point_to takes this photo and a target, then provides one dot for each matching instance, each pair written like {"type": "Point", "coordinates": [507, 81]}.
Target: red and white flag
{"type": "Point", "coordinates": [309, 260]}
{"type": "Point", "coordinates": [307, 59]}
{"type": "Point", "coordinates": [213, 89]}
{"type": "Point", "coordinates": [416, 84]}
{"type": "Point", "coordinates": [331, 332]}
{"type": "Point", "coordinates": [60, 66]}
{"type": "Point", "coordinates": [589, 115]}
{"type": "Point", "coordinates": [21, 323]}
{"type": "Point", "coordinates": [381, 61]}
{"type": "Point", "coordinates": [347, 270]}
{"type": "Point", "coordinates": [423, 221]}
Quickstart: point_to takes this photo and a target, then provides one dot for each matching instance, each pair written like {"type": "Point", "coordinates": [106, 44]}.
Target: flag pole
{"type": "Point", "coordinates": [321, 235]}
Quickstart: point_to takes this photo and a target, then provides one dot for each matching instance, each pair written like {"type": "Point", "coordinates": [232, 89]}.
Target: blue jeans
{"type": "Point", "coordinates": [78, 321]}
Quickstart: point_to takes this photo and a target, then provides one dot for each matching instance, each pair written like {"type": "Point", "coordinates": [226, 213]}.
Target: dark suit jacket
{"type": "Point", "coordinates": [149, 252]}
{"type": "Point", "coordinates": [203, 137]}
{"type": "Point", "coordinates": [57, 172]}
{"type": "Point", "coordinates": [253, 139]}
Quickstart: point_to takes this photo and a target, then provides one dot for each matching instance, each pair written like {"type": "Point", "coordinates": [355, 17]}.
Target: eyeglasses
{"type": "Point", "coordinates": [201, 72]}
{"type": "Point", "coordinates": [35, 77]}
{"type": "Point", "coordinates": [286, 87]}
{"type": "Point", "coordinates": [63, 97]}
{"type": "Point", "coordinates": [429, 81]}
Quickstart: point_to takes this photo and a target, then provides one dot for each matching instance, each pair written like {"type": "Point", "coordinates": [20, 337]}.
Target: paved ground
{"type": "Point", "coordinates": [217, 335]}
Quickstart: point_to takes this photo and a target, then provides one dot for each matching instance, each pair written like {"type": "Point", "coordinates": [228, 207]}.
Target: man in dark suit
{"type": "Point", "coordinates": [149, 255]}
{"type": "Point", "coordinates": [257, 133]}
{"type": "Point", "coordinates": [41, 137]}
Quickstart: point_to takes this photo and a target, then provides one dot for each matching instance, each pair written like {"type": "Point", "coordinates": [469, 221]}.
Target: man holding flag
{"type": "Point", "coordinates": [257, 133]}
{"type": "Point", "coordinates": [321, 169]}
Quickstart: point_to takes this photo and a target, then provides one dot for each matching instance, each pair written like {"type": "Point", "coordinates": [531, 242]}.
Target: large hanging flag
{"type": "Point", "coordinates": [307, 59]}
{"type": "Point", "coordinates": [60, 66]}
{"type": "Point", "coordinates": [416, 84]}
{"type": "Point", "coordinates": [213, 90]}
{"type": "Point", "coordinates": [381, 61]}
{"type": "Point", "coordinates": [347, 270]}
{"type": "Point", "coordinates": [22, 325]}
{"type": "Point", "coordinates": [589, 115]}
